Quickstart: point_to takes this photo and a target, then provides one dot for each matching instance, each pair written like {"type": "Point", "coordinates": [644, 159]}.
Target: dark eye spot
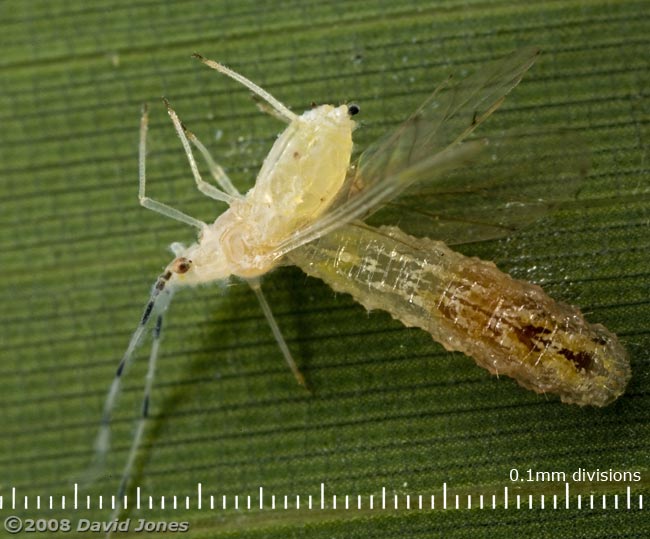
{"type": "Point", "coordinates": [353, 109]}
{"type": "Point", "coordinates": [181, 265]}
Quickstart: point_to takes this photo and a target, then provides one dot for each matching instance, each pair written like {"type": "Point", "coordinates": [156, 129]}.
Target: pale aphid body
{"type": "Point", "coordinates": [304, 171]}
{"type": "Point", "coordinates": [305, 209]}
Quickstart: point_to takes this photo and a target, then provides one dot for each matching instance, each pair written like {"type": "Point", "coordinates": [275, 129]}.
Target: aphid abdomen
{"type": "Point", "coordinates": [508, 326]}
{"type": "Point", "coordinates": [303, 173]}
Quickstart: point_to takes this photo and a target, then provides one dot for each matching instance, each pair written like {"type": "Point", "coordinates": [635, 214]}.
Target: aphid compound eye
{"type": "Point", "coordinates": [353, 109]}
{"type": "Point", "coordinates": [181, 265]}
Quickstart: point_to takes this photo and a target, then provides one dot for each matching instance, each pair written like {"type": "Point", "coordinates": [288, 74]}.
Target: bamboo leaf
{"type": "Point", "coordinates": [388, 408]}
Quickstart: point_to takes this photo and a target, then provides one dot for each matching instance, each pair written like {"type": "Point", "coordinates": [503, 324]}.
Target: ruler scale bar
{"type": "Point", "coordinates": [514, 498]}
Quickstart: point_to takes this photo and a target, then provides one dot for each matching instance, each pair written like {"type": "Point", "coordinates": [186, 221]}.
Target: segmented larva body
{"type": "Point", "coordinates": [468, 305]}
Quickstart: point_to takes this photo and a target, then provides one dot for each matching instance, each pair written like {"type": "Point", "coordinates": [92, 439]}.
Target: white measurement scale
{"type": "Point", "coordinates": [515, 496]}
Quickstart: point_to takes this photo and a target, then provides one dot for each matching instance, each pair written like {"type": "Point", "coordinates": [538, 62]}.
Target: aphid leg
{"type": "Point", "coordinates": [217, 172]}
{"type": "Point", "coordinates": [203, 186]}
{"type": "Point", "coordinates": [147, 202]}
{"type": "Point", "coordinates": [282, 111]}
{"type": "Point", "coordinates": [255, 285]}
{"type": "Point", "coordinates": [267, 109]}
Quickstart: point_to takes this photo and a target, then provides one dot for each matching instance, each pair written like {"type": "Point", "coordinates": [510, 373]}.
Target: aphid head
{"type": "Point", "coordinates": [176, 272]}
{"type": "Point", "coordinates": [181, 265]}
{"type": "Point", "coordinates": [200, 262]}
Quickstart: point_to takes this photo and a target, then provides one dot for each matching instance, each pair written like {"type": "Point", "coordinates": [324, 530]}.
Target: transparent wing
{"type": "Point", "coordinates": [513, 183]}
{"type": "Point", "coordinates": [424, 147]}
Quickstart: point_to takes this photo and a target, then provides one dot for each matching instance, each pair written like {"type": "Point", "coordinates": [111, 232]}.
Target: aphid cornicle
{"type": "Point", "coordinates": [307, 208]}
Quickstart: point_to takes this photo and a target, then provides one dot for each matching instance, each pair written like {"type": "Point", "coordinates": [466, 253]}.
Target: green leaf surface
{"type": "Point", "coordinates": [388, 408]}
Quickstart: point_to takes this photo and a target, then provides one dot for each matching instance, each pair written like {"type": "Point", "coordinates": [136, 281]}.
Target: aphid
{"type": "Point", "coordinates": [307, 207]}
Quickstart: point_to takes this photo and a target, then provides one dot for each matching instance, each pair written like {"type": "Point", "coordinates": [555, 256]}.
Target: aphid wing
{"type": "Point", "coordinates": [452, 157]}
{"type": "Point", "coordinates": [446, 117]}
{"type": "Point", "coordinates": [424, 146]}
{"type": "Point", "coordinates": [509, 327]}
{"type": "Point", "coordinates": [515, 182]}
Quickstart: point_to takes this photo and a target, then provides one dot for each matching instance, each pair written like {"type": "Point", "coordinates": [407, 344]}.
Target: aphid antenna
{"type": "Point", "coordinates": [279, 108]}
{"type": "Point", "coordinates": [161, 296]}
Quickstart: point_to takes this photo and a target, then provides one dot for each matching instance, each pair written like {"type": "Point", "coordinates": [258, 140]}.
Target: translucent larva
{"type": "Point", "coordinates": [307, 208]}
{"type": "Point", "coordinates": [509, 327]}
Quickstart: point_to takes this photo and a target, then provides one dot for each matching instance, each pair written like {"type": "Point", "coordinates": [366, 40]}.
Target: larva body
{"type": "Point", "coordinates": [468, 305]}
